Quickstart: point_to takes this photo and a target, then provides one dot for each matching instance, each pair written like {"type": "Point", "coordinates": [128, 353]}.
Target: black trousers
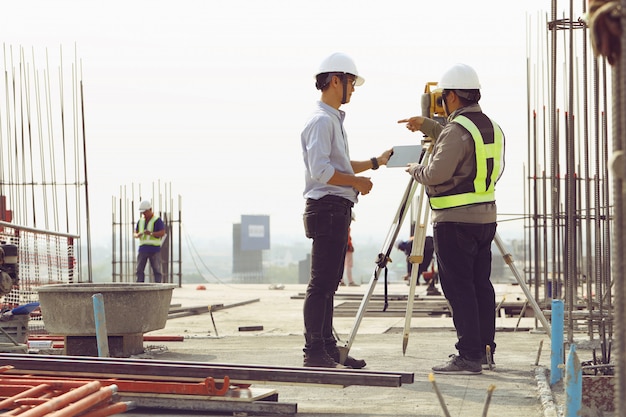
{"type": "Point", "coordinates": [464, 261]}
{"type": "Point", "coordinates": [326, 222]}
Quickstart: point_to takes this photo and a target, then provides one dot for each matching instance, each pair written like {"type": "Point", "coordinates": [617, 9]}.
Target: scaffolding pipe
{"type": "Point", "coordinates": [619, 130]}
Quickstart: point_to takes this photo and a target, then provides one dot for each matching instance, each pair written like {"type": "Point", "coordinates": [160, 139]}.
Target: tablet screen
{"type": "Point", "coordinates": [404, 155]}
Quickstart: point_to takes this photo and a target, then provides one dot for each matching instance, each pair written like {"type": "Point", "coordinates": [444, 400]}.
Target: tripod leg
{"type": "Point", "coordinates": [508, 259]}
{"type": "Point", "coordinates": [382, 260]}
{"type": "Point", "coordinates": [416, 258]}
{"type": "Point", "coordinates": [521, 314]}
{"type": "Point", "coordinates": [345, 349]}
{"type": "Point", "coordinates": [409, 309]}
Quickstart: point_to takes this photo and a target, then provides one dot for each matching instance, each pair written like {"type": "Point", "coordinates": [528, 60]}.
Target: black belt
{"type": "Point", "coordinates": [337, 200]}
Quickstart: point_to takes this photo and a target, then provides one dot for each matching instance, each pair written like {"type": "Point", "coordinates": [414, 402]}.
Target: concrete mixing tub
{"type": "Point", "coordinates": [130, 310]}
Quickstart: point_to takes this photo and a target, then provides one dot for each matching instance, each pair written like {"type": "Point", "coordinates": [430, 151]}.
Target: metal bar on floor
{"type": "Point", "coordinates": [236, 373]}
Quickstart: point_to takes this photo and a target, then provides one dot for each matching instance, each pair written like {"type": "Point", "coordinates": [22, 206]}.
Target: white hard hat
{"type": "Point", "coordinates": [340, 62]}
{"type": "Point", "coordinates": [460, 77]}
{"type": "Point", "coordinates": [145, 205]}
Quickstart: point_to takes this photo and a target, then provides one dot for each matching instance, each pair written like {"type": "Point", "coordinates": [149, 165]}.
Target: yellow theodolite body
{"type": "Point", "coordinates": [432, 102]}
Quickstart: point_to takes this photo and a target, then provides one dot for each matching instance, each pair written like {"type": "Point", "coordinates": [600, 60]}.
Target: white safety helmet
{"type": "Point", "coordinates": [459, 77]}
{"type": "Point", "coordinates": [340, 62]}
{"type": "Point", "coordinates": [145, 205]}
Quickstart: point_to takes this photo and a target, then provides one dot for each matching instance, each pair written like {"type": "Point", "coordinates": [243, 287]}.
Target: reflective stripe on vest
{"type": "Point", "coordinates": [486, 176]}
{"type": "Point", "coordinates": [145, 239]}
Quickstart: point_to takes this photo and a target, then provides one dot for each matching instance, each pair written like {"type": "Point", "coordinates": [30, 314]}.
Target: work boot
{"type": "Point", "coordinates": [350, 362]}
{"type": "Point", "coordinates": [321, 360]}
{"type": "Point", "coordinates": [353, 363]}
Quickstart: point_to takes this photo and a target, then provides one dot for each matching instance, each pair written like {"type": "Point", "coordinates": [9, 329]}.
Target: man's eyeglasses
{"type": "Point", "coordinates": [347, 78]}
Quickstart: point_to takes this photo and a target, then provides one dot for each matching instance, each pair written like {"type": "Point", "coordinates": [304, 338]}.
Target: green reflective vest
{"type": "Point", "coordinates": [145, 239]}
{"type": "Point", "coordinates": [488, 154]}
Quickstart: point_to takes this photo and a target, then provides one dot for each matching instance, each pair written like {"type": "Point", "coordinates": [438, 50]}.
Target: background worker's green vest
{"type": "Point", "coordinates": [488, 154]}
{"type": "Point", "coordinates": [145, 239]}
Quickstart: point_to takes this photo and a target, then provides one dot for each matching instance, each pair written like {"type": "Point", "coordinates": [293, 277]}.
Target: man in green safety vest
{"type": "Point", "coordinates": [150, 230]}
{"type": "Point", "coordinates": [467, 160]}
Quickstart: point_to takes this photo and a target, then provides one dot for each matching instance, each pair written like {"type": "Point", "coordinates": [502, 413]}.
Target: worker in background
{"type": "Point", "coordinates": [349, 262]}
{"type": "Point", "coordinates": [467, 160]}
{"type": "Point", "coordinates": [406, 246]}
{"type": "Point", "coordinates": [331, 189]}
{"type": "Point", "coordinates": [150, 230]}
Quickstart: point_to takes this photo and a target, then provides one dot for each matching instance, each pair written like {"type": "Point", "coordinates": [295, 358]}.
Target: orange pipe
{"type": "Point", "coordinates": [30, 401]}
{"type": "Point", "coordinates": [86, 403]}
{"type": "Point", "coordinates": [7, 391]}
{"type": "Point", "coordinates": [62, 400]}
{"type": "Point", "coordinates": [19, 410]}
{"type": "Point", "coordinates": [207, 387]}
{"type": "Point", "coordinates": [59, 384]}
{"type": "Point", "coordinates": [15, 411]}
{"type": "Point", "coordinates": [10, 402]}
{"type": "Point", "coordinates": [112, 409]}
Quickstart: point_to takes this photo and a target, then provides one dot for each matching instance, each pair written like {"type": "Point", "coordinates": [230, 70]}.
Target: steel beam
{"type": "Point", "coordinates": [239, 374]}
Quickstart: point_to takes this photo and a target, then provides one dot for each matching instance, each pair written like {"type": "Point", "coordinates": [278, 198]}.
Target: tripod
{"type": "Point", "coordinates": [416, 198]}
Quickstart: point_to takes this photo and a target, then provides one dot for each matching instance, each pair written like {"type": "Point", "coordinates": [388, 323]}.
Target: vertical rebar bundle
{"type": "Point", "coordinates": [43, 166]}
{"type": "Point", "coordinates": [568, 200]}
{"type": "Point", "coordinates": [600, 273]}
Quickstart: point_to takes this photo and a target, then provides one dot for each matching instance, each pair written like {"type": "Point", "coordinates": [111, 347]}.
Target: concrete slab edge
{"type": "Point", "coordinates": [545, 393]}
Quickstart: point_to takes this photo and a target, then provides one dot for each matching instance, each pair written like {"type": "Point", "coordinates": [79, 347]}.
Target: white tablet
{"type": "Point", "coordinates": [404, 155]}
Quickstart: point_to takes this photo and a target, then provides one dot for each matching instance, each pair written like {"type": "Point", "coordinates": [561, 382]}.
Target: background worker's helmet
{"type": "Point", "coordinates": [336, 63]}
{"type": "Point", "coordinates": [461, 77]}
{"type": "Point", "coordinates": [145, 205]}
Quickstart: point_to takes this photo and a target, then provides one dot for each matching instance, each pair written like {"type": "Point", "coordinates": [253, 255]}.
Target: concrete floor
{"type": "Point", "coordinates": [378, 341]}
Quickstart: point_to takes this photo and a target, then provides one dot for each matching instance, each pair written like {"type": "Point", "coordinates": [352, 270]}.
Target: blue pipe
{"type": "Point", "coordinates": [573, 384]}
{"type": "Point", "coordinates": [556, 345]}
{"type": "Point", "coordinates": [102, 337]}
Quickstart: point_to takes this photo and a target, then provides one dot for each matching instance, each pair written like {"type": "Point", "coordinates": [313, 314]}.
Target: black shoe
{"type": "Point", "coordinates": [354, 363]}
{"type": "Point", "coordinates": [350, 362]}
{"type": "Point", "coordinates": [322, 360]}
{"type": "Point", "coordinates": [458, 365]}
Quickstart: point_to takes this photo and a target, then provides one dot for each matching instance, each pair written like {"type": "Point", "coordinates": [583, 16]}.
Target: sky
{"type": "Point", "coordinates": [210, 97]}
